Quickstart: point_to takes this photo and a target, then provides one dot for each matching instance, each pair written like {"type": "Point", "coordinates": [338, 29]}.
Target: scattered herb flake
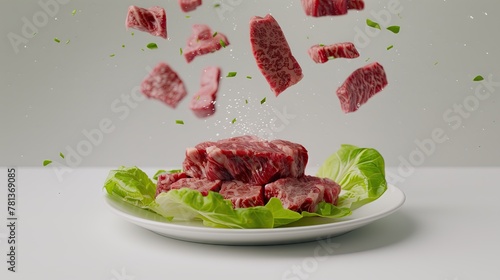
{"type": "Point", "coordinates": [436, 63]}
{"type": "Point", "coordinates": [263, 100]}
{"type": "Point", "coordinates": [215, 34]}
{"type": "Point", "coordinates": [47, 162]}
{"type": "Point", "coordinates": [367, 59]}
{"type": "Point", "coordinates": [478, 78]}
{"type": "Point", "coordinates": [373, 24]}
{"type": "Point", "coordinates": [142, 49]}
{"type": "Point", "coordinates": [390, 47]}
{"type": "Point", "coordinates": [331, 57]}
{"type": "Point", "coordinates": [246, 101]}
{"type": "Point", "coordinates": [61, 155]}
{"type": "Point", "coordinates": [67, 41]}
{"type": "Point", "coordinates": [132, 33]}
{"type": "Point", "coordinates": [188, 16]}
{"type": "Point", "coordinates": [179, 121]}
{"type": "Point", "coordinates": [112, 55]}
{"type": "Point", "coordinates": [73, 12]}
{"type": "Point", "coordinates": [394, 29]}
{"type": "Point", "coordinates": [231, 74]}
{"type": "Point", "coordinates": [180, 51]}
{"type": "Point", "coordinates": [249, 77]}
{"type": "Point", "coordinates": [222, 43]}
{"type": "Point", "coordinates": [57, 40]}
{"type": "Point", "coordinates": [233, 121]}
{"type": "Point", "coordinates": [152, 46]}
{"type": "Point", "coordinates": [321, 45]}
{"type": "Point", "coordinates": [123, 46]}
{"type": "Point", "coordinates": [216, 5]}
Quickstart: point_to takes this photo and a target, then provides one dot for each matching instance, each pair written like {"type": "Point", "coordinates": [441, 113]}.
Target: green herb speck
{"type": "Point", "coordinates": [47, 162]}
{"type": "Point", "coordinates": [179, 121]}
{"type": "Point", "coordinates": [222, 43]}
{"type": "Point", "coordinates": [152, 46]}
{"type": "Point", "coordinates": [180, 51]}
{"type": "Point", "coordinates": [57, 40]}
{"type": "Point", "coordinates": [231, 74]}
{"type": "Point", "coordinates": [215, 34]}
{"type": "Point", "coordinates": [217, 5]}
{"type": "Point", "coordinates": [263, 100]}
{"type": "Point", "coordinates": [233, 121]}
{"type": "Point", "coordinates": [61, 155]}
{"type": "Point", "coordinates": [478, 78]}
{"type": "Point", "coordinates": [112, 55]}
{"type": "Point", "coordinates": [390, 47]}
{"type": "Point", "coordinates": [394, 29]}
{"type": "Point", "coordinates": [249, 77]}
{"type": "Point", "coordinates": [73, 12]}
{"type": "Point", "coordinates": [371, 23]}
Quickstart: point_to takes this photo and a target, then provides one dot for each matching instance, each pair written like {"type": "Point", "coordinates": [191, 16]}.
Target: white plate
{"type": "Point", "coordinates": [302, 231]}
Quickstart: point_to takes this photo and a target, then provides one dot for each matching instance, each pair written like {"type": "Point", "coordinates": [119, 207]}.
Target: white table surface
{"type": "Point", "coordinates": [448, 229]}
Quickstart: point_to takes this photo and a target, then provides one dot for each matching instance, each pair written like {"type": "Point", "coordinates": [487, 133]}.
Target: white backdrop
{"type": "Point", "coordinates": [75, 97]}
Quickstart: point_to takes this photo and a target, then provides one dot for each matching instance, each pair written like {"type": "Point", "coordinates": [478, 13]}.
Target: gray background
{"type": "Point", "coordinates": [52, 93]}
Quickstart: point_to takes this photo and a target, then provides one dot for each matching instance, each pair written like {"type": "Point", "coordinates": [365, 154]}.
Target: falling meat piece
{"type": "Point", "coordinates": [360, 86]}
{"type": "Point", "coordinates": [273, 55]}
{"type": "Point", "coordinates": [319, 8]}
{"type": "Point", "coordinates": [203, 102]}
{"type": "Point", "coordinates": [242, 195]}
{"type": "Point", "coordinates": [189, 5]}
{"type": "Point", "coordinates": [303, 194]}
{"type": "Point", "coordinates": [166, 179]}
{"type": "Point", "coordinates": [202, 185]}
{"type": "Point", "coordinates": [321, 53]}
{"type": "Point", "coordinates": [152, 20]}
{"type": "Point", "coordinates": [164, 84]}
{"type": "Point", "coordinates": [203, 41]}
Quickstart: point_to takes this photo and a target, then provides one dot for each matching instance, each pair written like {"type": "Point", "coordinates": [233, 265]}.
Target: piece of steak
{"type": "Point", "coordinates": [203, 41]}
{"type": "Point", "coordinates": [242, 195]}
{"type": "Point", "coordinates": [360, 86]}
{"type": "Point", "coordinates": [189, 5]}
{"type": "Point", "coordinates": [201, 185]}
{"type": "Point", "coordinates": [152, 20]}
{"type": "Point", "coordinates": [319, 8]}
{"type": "Point", "coordinates": [166, 179]}
{"type": "Point", "coordinates": [302, 194]}
{"type": "Point", "coordinates": [245, 158]}
{"type": "Point", "coordinates": [273, 55]}
{"type": "Point", "coordinates": [299, 157]}
{"type": "Point", "coordinates": [203, 102]}
{"type": "Point", "coordinates": [165, 85]}
{"type": "Point", "coordinates": [322, 53]}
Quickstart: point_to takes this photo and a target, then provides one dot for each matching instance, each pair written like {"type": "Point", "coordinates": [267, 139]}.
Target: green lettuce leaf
{"type": "Point", "coordinates": [328, 210]}
{"type": "Point", "coordinates": [360, 172]}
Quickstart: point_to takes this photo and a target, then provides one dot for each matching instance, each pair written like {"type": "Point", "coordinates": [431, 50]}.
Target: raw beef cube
{"type": "Point", "coordinates": [166, 179]}
{"type": "Point", "coordinates": [152, 20]}
{"type": "Point", "coordinates": [355, 4]}
{"type": "Point", "coordinates": [319, 8]}
{"type": "Point", "coordinates": [299, 157]}
{"type": "Point", "coordinates": [257, 162]}
{"type": "Point", "coordinates": [360, 86]}
{"type": "Point", "coordinates": [201, 185]}
{"type": "Point", "coordinates": [245, 158]}
{"type": "Point", "coordinates": [203, 41]}
{"type": "Point", "coordinates": [194, 162]}
{"type": "Point", "coordinates": [321, 53]}
{"type": "Point", "coordinates": [164, 84]}
{"type": "Point", "coordinates": [189, 5]}
{"type": "Point", "coordinates": [302, 194]}
{"type": "Point", "coordinates": [242, 195]}
{"type": "Point", "coordinates": [273, 55]}
{"type": "Point", "coordinates": [203, 102]}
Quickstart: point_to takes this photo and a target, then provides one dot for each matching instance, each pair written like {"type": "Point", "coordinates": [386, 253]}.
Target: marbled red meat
{"type": "Point", "coordinates": [241, 194]}
{"type": "Point", "coordinates": [189, 5]}
{"type": "Point", "coordinates": [298, 154]}
{"type": "Point", "coordinates": [322, 53]}
{"type": "Point", "coordinates": [203, 102]}
{"type": "Point", "coordinates": [244, 158]}
{"type": "Point", "coordinates": [319, 8]}
{"type": "Point", "coordinates": [152, 20]}
{"type": "Point", "coordinates": [360, 86]}
{"type": "Point", "coordinates": [202, 41]}
{"type": "Point", "coordinates": [304, 193]}
{"type": "Point", "coordinates": [165, 85]}
{"type": "Point", "coordinates": [273, 55]}
{"type": "Point", "coordinates": [201, 185]}
{"type": "Point", "coordinates": [166, 179]}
